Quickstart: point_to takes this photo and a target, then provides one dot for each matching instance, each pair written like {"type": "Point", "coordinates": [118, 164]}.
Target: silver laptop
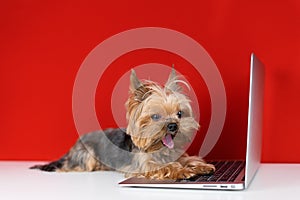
{"type": "Point", "coordinates": [229, 174]}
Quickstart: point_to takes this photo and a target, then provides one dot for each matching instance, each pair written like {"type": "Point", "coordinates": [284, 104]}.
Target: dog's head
{"type": "Point", "coordinates": [159, 116]}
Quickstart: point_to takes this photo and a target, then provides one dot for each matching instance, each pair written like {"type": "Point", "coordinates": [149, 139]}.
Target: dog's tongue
{"type": "Point", "coordinates": [168, 141]}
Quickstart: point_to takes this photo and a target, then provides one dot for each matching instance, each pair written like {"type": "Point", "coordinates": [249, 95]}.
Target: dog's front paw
{"type": "Point", "coordinates": [204, 169]}
{"type": "Point", "coordinates": [172, 171]}
{"type": "Point", "coordinates": [184, 173]}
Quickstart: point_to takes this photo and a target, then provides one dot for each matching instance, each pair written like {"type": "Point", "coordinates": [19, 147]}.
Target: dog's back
{"type": "Point", "coordinates": [98, 150]}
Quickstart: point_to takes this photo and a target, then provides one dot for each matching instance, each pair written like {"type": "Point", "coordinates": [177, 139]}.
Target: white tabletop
{"type": "Point", "coordinates": [273, 181]}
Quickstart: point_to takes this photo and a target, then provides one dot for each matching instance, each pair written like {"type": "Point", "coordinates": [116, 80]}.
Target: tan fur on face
{"type": "Point", "coordinates": [149, 98]}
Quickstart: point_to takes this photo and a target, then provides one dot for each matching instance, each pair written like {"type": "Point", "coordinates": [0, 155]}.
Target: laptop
{"type": "Point", "coordinates": [229, 174]}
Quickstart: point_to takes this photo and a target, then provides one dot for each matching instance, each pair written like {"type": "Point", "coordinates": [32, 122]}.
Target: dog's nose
{"type": "Point", "coordinates": [172, 127]}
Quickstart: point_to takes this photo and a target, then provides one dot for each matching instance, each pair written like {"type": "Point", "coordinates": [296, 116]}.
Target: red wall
{"type": "Point", "coordinates": [43, 44]}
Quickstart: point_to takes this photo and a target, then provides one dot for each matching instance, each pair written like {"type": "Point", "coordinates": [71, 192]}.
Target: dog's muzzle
{"type": "Point", "coordinates": [167, 140]}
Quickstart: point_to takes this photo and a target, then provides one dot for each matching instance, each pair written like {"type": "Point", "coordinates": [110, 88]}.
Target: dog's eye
{"type": "Point", "coordinates": [179, 114]}
{"type": "Point", "coordinates": [155, 117]}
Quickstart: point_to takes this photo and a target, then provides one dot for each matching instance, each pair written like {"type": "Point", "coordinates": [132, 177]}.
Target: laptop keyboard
{"type": "Point", "coordinates": [226, 171]}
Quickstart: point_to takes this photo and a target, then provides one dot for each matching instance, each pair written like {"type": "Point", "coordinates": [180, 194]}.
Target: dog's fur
{"type": "Point", "coordinates": [160, 125]}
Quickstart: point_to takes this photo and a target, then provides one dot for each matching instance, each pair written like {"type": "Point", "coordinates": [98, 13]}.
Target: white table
{"type": "Point", "coordinates": [273, 181]}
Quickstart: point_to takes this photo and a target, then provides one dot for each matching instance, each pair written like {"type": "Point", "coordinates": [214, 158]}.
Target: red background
{"type": "Point", "coordinates": [43, 44]}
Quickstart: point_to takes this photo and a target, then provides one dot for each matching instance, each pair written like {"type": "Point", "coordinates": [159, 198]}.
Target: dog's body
{"type": "Point", "coordinates": [160, 124]}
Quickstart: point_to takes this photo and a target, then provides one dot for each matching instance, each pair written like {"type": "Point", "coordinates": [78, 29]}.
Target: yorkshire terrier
{"type": "Point", "coordinates": [160, 125]}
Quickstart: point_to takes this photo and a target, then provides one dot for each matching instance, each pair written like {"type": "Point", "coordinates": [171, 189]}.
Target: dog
{"type": "Point", "coordinates": [160, 125]}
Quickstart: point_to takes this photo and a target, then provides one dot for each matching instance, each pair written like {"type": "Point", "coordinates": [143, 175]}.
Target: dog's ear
{"type": "Point", "coordinates": [140, 91]}
{"type": "Point", "coordinates": [172, 83]}
{"type": "Point", "coordinates": [135, 83]}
